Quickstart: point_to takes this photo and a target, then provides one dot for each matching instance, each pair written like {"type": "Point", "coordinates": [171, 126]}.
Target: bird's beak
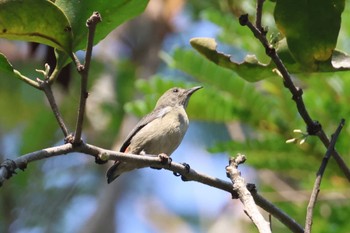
{"type": "Point", "coordinates": [193, 89]}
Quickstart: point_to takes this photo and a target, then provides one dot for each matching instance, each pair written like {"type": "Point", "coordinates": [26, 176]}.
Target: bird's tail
{"type": "Point", "coordinates": [117, 169]}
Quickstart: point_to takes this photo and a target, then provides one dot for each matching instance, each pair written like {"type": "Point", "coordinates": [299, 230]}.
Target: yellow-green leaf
{"type": "Point", "coordinates": [250, 69]}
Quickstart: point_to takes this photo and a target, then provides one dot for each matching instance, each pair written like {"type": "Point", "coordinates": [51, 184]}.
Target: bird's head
{"type": "Point", "coordinates": [176, 96]}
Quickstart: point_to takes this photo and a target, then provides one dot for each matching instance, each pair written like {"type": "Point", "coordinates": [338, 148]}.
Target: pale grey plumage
{"type": "Point", "coordinates": [160, 131]}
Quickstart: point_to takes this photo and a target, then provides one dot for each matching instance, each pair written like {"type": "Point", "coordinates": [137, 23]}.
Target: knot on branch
{"type": "Point", "coordinates": [252, 188]}
{"type": "Point", "coordinates": [314, 128]}
{"type": "Point", "coordinates": [269, 49]}
{"type": "Point", "coordinates": [69, 139]}
{"type": "Point", "coordinates": [234, 162]}
{"type": "Point", "coordinates": [297, 94]}
{"type": "Point", "coordinates": [94, 19]}
{"type": "Point", "coordinates": [99, 159]}
{"type": "Point", "coordinates": [10, 167]}
{"type": "Point", "coordinates": [243, 19]}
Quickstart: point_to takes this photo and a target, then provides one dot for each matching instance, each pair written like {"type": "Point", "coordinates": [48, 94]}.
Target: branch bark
{"type": "Point", "coordinates": [8, 167]}
{"type": "Point", "coordinates": [84, 71]}
{"type": "Point", "coordinates": [239, 186]}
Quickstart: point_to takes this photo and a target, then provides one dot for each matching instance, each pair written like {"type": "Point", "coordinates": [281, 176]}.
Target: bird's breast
{"type": "Point", "coordinates": [164, 134]}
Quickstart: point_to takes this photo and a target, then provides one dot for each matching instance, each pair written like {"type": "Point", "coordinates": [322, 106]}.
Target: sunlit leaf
{"type": "Point", "coordinates": [251, 69]}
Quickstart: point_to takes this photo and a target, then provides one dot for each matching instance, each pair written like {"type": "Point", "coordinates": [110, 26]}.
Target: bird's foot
{"type": "Point", "coordinates": [187, 168]}
{"type": "Point", "coordinates": [164, 159]}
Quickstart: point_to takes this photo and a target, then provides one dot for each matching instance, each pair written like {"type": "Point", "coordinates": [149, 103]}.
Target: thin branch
{"type": "Point", "coordinates": [277, 213]}
{"type": "Point", "coordinates": [239, 186]}
{"type": "Point", "coordinates": [259, 8]}
{"type": "Point", "coordinates": [313, 127]}
{"type": "Point", "coordinates": [84, 71]}
{"type": "Point", "coordinates": [8, 167]}
{"type": "Point", "coordinates": [319, 176]}
{"type": "Point", "coordinates": [45, 86]}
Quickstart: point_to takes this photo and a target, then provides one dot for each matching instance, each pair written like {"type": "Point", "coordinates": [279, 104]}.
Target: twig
{"type": "Point", "coordinates": [313, 127]}
{"type": "Point", "coordinates": [244, 195]}
{"type": "Point", "coordinates": [319, 176]}
{"type": "Point", "coordinates": [259, 8]}
{"type": "Point", "coordinates": [84, 71]}
{"type": "Point", "coordinates": [148, 160]}
{"type": "Point", "coordinates": [45, 86]}
{"type": "Point", "coordinates": [26, 79]}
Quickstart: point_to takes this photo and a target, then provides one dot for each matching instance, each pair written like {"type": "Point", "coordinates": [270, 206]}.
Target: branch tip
{"type": "Point", "coordinates": [94, 19]}
{"type": "Point", "coordinates": [243, 20]}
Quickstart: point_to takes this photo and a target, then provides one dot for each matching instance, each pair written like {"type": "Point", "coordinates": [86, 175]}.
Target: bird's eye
{"type": "Point", "coordinates": [175, 90]}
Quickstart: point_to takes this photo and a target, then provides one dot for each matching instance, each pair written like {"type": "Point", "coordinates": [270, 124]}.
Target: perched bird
{"type": "Point", "coordinates": [159, 132]}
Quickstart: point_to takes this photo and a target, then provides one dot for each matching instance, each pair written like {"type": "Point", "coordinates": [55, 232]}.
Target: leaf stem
{"type": "Point", "coordinates": [26, 79]}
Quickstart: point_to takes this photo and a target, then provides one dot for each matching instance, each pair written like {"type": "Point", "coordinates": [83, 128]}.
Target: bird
{"type": "Point", "coordinates": [159, 132]}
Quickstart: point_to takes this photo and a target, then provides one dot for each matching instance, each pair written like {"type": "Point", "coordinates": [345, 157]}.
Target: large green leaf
{"type": "Point", "coordinates": [311, 28]}
{"type": "Point", "coordinates": [113, 14]}
{"type": "Point", "coordinates": [35, 20]}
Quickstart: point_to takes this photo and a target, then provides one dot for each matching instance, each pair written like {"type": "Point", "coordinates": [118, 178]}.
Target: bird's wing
{"type": "Point", "coordinates": [157, 113]}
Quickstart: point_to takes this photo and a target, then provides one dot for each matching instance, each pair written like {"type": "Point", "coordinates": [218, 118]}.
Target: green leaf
{"type": "Point", "coordinates": [37, 21]}
{"type": "Point", "coordinates": [251, 69]}
{"type": "Point", "coordinates": [6, 68]}
{"type": "Point", "coordinates": [113, 14]}
{"type": "Point", "coordinates": [5, 65]}
{"type": "Point", "coordinates": [311, 28]}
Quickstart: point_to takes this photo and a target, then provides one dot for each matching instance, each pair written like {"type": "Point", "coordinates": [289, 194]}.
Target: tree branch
{"type": "Point", "coordinates": [8, 167]}
{"type": "Point", "coordinates": [319, 176]}
{"type": "Point", "coordinates": [313, 127]}
{"type": "Point", "coordinates": [84, 71]}
{"type": "Point", "coordinates": [45, 86]}
{"type": "Point", "coordinates": [244, 195]}
{"type": "Point", "coordinates": [259, 8]}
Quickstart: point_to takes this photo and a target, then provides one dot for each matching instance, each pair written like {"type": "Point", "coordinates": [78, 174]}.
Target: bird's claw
{"type": "Point", "coordinates": [187, 168]}
{"type": "Point", "coordinates": [164, 159]}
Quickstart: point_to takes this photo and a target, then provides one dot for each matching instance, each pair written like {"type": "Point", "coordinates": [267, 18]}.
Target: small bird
{"type": "Point", "coordinates": [159, 132]}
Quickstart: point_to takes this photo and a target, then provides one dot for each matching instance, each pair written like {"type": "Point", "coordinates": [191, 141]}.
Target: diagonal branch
{"type": "Point", "coordinates": [319, 176]}
{"type": "Point", "coordinates": [244, 195]}
{"type": "Point", "coordinates": [84, 71]}
{"type": "Point", "coordinates": [313, 127]}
